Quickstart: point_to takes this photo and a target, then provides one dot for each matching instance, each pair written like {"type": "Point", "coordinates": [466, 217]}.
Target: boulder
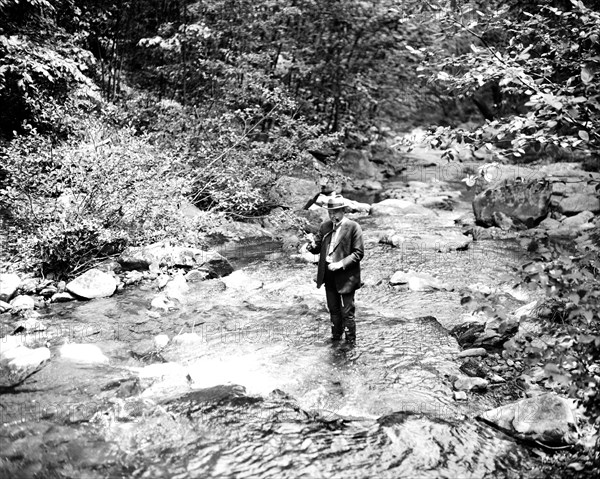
{"type": "Point", "coordinates": [83, 353]}
{"type": "Point", "coordinates": [19, 363]}
{"type": "Point", "coordinates": [163, 254]}
{"type": "Point", "coordinates": [9, 283]}
{"type": "Point", "coordinates": [93, 284]}
{"type": "Point", "coordinates": [196, 275]}
{"type": "Point", "coordinates": [160, 341]}
{"type": "Point", "coordinates": [547, 418]}
{"type": "Point", "coordinates": [578, 203]}
{"type": "Point", "coordinates": [22, 302]}
{"type": "Point", "coordinates": [62, 297]}
{"type": "Point", "coordinates": [395, 207]}
{"type": "Point", "coordinates": [467, 353]}
{"type": "Point", "coordinates": [578, 220]}
{"type": "Point", "coordinates": [428, 243]}
{"type": "Point", "coordinates": [471, 384]}
{"type": "Point", "coordinates": [523, 203]}
{"type": "Point", "coordinates": [473, 368]}
{"type": "Point", "coordinates": [177, 288]}
{"type": "Point", "coordinates": [4, 307]}
{"type": "Point", "coordinates": [417, 281]}
{"type": "Point", "coordinates": [240, 280]}
{"type": "Point", "coordinates": [357, 164]}
{"type": "Point", "coordinates": [549, 224]}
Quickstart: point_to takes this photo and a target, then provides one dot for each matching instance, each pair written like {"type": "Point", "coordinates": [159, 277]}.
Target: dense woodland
{"type": "Point", "coordinates": [114, 113]}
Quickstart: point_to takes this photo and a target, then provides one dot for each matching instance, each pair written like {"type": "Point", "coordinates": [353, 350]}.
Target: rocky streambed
{"type": "Point", "coordinates": [229, 374]}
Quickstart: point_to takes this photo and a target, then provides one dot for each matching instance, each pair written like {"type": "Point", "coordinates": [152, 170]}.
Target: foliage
{"type": "Point", "coordinates": [541, 58]}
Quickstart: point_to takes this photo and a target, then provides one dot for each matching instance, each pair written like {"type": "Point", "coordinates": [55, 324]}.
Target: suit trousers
{"type": "Point", "coordinates": [341, 309]}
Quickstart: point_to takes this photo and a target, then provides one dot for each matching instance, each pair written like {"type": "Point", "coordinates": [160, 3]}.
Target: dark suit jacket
{"type": "Point", "coordinates": [349, 249]}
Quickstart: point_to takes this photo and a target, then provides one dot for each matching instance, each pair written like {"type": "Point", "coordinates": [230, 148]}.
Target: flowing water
{"type": "Point", "coordinates": [249, 386]}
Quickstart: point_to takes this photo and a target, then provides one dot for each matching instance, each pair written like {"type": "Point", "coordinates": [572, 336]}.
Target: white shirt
{"type": "Point", "coordinates": [334, 238]}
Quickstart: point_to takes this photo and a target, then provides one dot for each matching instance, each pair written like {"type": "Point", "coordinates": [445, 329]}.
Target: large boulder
{"type": "Point", "coordinates": [578, 203]}
{"type": "Point", "coordinates": [417, 281]}
{"type": "Point", "coordinates": [357, 164]}
{"type": "Point", "coordinates": [93, 284]}
{"type": "Point", "coordinates": [547, 418]}
{"type": "Point", "coordinates": [20, 362]}
{"type": "Point", "coordinates": [524, 203]}
{"type": "Point", "coordinates": [83, 353]}
{"type": "Point", "coordinates": [396, 207]}
{"type": "Point", "coordinates": [424, 243]}
{"type": "Point", "coordinates": [9, 283]}
{"type": "Point", "coordinates": [164, 254]}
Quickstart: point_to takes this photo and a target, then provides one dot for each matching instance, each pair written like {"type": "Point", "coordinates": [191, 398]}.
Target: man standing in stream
{"type": "Point", "coordinates": [339, 244]}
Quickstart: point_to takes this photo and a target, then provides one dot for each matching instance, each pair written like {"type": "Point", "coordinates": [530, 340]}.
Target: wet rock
{"type": "Point", "coordinates": [525, 203]}
{"type": "Point", "coordinates": [472, 352]}
{"type": "Point", "coordinates": [549, 224]}
{"type": "Point", "coordinates": [503, 221]}
{"type": "Point", "coordinates": [165, 254]}
{"type": "Point", "coordinates": [4, 307]}
{"type": "Point", "coordinates": [578, 220]}
{"type": "Point", "coordinates": [9, 283]}
{"type": "Point", "coordinates": [417, 281]}
{"type": "Point", "coordinates": [162, 302]}
{"type": "Point", "coordinates": [133, 277]}
{"type": "Point", "coordinates": [197, 275]}
{"type": "Point", "coordinates": [460, 396]}
{"type": "Point", "coordinates": [62, 297]}
{"type": "Point", "coordinates": [48, 291]}
{"type": "Point", "coordinates": [467, 333]}
{"type": "Point", "coordinates": [578, 203]}
{"type": "Point", "coordinates": [473, 368]}
{"type": "Point", "coordinates": [395, 207]}
{"type": "Point", "coordinates": [29, 325]}
{"type": "Point", "coordinates": [547, 418]}
{"type": "Point", "coordinates": [428, 243]}
{"type": "Point", "coordinates": [240, 280]}
{"type": "Point", "coordinates": [161, 341]}
{"type": "Point", "coordinates": [471, 384]}
{"type": "Point", "coordinates": [19, 363]}
{"type": "Point", "coordinates": [83, 353]}
{"type": "Point", "coordinates": [21, 303]}
{"type": "Point", "coordinates": [177, 288]}
{"type": "Point", "coordinates": [93, 284]}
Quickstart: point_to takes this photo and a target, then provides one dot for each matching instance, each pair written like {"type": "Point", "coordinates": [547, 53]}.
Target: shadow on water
{"type": "Point", "coordinates": [249, 386]}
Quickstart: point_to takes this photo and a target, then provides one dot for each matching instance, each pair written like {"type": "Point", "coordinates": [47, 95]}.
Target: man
{"type": "Point", "coordinates": [339, 244]}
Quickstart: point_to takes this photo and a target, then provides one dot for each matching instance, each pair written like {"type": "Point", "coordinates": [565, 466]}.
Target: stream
{"type": "Point", "coordinates": [248, 385]}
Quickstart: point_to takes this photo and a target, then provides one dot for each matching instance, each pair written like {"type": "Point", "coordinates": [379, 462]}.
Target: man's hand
{"type": "Point", "coordinates": [335, 266]}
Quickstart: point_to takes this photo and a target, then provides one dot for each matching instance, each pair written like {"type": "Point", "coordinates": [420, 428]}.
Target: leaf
{"type": "Point", "coordinates": [586, 75]}
{"type": "Point", "coordinates": [584, 135]}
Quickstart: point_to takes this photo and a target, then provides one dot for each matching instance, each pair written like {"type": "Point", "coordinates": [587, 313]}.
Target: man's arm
{"type": "Point", "coordinates": [315, 246]}
{"type": "Point", "coordinates": [357, 247]}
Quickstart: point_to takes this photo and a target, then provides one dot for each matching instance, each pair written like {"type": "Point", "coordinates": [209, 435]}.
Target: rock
{"type": "Point", "coordinates": [177, 288]}
{"type": "Point", "coordinates": [524, 203]}
{"type": "Point", "coordinates": [4, 307]}
{"type": "Point", "coordinates": [161, 302]}
{"type": "Point", "coordinates": [62, 297]}
{"type": "Point", "coordinates": [161, 341]}
{"type": "Point", "coordinates": [479, 233]}
{"type": "Point", "coordinates": [578, 220]}
{"type": "Point", "coordinates": [143, 348]}
{"type": "Point", "coordinates": [468, 384]}
{"type": "Point", "coordinates": [428, 243]}
{"type": "Point", "coordinates": [494, 378]}
{"type": "Point", "coordinates": [48, 291]}
{"type": "Point", "coordinates": [473, 368]}
{"type": "Point", "coordinates": [460, 396]}
{"type": "Point", "coordinates": [9, 283]}
{"type": "Point", "coordinates": [417, 281]}
{"type": "Point", "coordinates": [356, 163]}
{"type": "Point", "coordinates": [28, 285]}
{"type": "Point", "coordinates": [395, 207]}
{"type": "Point", "coordinates": [133, 277]}
{"type": "Point", "coordinates": [196, 275]}
{"type": "Point", "coordinates": [240, 280]}
{"type": "Point", "coordinates": [163, 254]}
{"type": "Point", "coordinates": [21, 303]}
{"type": "Point", "coordinates": [372, 185]}
{"type": "Point", "coordinates": [547, 418]}
{"type": "Point", "coordinates": [110, 265]}
{"type": "Point", "coordinates": [549, 224]}
{"type": "Point", "coordinates": [20, 363]}
{"type": "Point", "coordinates": [472, 352]}
{"type": "Point", "coordinates": [294, 192]}
{"type": "Point", "coordinates": [29, 325]}
{"type": "Point", "coordinates": [579, 203]}
{"type": "Point", "coordinates": [62, 286]}
{"type": "Point", "coordinates": [93, 284]}
{"type": "Point", "coordinates": [503, 221]}
{"type": "Point", "coordinates": [83, 353]}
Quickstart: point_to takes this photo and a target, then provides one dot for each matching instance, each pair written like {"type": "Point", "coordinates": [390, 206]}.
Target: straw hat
{"type": "Point", "coordinates": [335, 203]}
